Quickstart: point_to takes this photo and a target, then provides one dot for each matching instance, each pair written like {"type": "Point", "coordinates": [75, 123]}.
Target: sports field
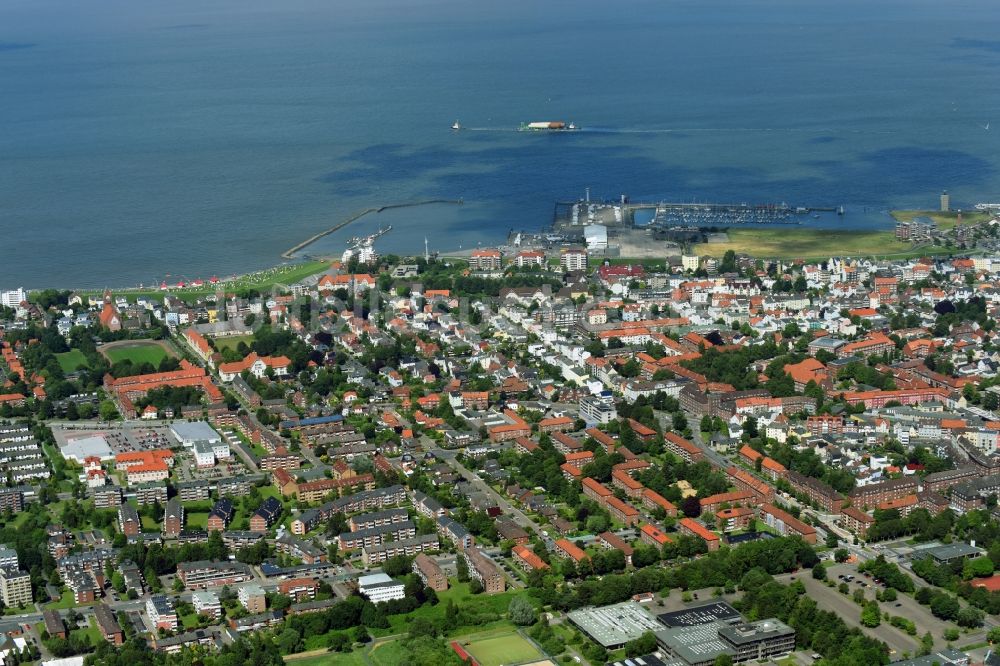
{"type": "Point", "coordinates": [137, 352]}
{"type": "Point", "coordinates": [500, 649]}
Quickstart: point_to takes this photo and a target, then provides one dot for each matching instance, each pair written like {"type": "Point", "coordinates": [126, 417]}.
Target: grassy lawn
{"type": "Point", "coordinates": [66, 601]}
{"type": "Point", "coordinates": [944, 220]}
{"type": "Point", "coordinates": [149, 524]}
{"type": "Point", "coordinates": [232, 342]}
{"type": "Point", "coordinates": [18, 611]}
{"type": "Point", "coordinates": [386, 654]}
{"type": "Point", "coordinates": [501, 648]}
{"type": "Point", "coordinates": [20, 519]}
{"type": "Point", "coordinates": [196, 520]}
{"type": "Point", "coordinates": [92, 633]}
{"type": "Point", "coordinates": [71, 360]}
{"type": "Point", "coordinates": [190, 620]}
{"type": "Point", "coordinates": [140, 352]}
{"type": "Point", "coordinates": [287, 274]}
{"type": "Point", "coordinates": [496, 603]}
{"type": "Point", "coordinates": [807, 243]}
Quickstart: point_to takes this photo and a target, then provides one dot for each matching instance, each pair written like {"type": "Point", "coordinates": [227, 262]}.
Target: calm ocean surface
{"type": "Point", "coordinates": [198, 137]}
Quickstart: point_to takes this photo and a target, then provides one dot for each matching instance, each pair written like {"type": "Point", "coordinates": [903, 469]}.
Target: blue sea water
{"type": "Point", "coordinates": [198, 137]}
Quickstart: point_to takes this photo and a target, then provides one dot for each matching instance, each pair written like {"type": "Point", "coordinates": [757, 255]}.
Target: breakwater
{"type": "Point", "coordinates": [290, 252]}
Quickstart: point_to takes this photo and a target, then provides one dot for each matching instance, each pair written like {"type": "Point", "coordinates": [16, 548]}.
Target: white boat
{"type": "Point", "coordinates": [456, 126]}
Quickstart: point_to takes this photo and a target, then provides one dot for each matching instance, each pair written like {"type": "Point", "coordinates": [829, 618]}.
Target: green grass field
{"type": "Point", "coordinates": [803, 243]}
{"type": "Point", "coordinates": [501, 648]}
{"type": "Point", "coordinates": [385, 654]}
{"type": "Point", "coordinates": [66, 601]}
{"type": "Point", "coordinates": [287, 274]}
{"type": "Point", "coordinates": [92, 633]}
{"type": "Point", "coordinates": [196, 520]}
{"type": "Point", "coordinates": [140, 352]}
{"type": "Point", "coordinates": [71, 360]}
{"type": "Point", "coordinates": [331, 659]}
{"type": "Point", "coordinates": [232, 342]}
{"type": "Point", "coordinates": [496, 603]}
{"type": "Point", "coordinates": [149, 524]}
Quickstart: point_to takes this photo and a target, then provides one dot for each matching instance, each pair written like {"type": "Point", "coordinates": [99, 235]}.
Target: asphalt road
{"type": "Point", "coordinates": [520, 518]}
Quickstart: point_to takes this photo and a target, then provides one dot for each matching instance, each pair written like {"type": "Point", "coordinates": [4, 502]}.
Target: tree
{"type": "Point", "coordinates": [841, 555]}
{"type": "Point", "coordinates": [970, 617]}
{"type": "Point", "coordinates": [819, 572]}
{"type": "Point", "coordinates": [451, 615]}
{"type": "Point", "coordinates": [288, 640]}
{"type": "Point", "coordinates": [978, 567]}
{"type": "Point", "coordinates": [691, 507]}
{"type": "Point", "coordinates": [645, 644]}
{"type": "Point", "coordinates": [945, 607]}
{"type": "Point", "coordinates": [723, 660]}
{"type": "Point", "coordinates": [994, 635]}
{"type": "Point", "coordinates": [521, 612]}
{"type": "Point", "coordinates": [421, 626]}
{"type": "Point", "coordinates": [870, 616]}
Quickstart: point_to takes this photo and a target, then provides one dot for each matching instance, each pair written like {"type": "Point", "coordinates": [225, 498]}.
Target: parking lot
{"type": "Point", "coordinates": [830, 598]}
{"type": "Point", "coordinates": [121, 439]}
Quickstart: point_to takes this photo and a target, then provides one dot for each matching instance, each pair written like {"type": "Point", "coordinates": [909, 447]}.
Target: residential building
{"type": "Point", "coordinates": [207, 573]}
{"type": "Point", "coordinates": [299, 589]}
{"type": "Point", "coordinates": [484, 570]}
{"type": "Point", "coordinates": [252, 598]}
{"type": "Point", "coordinates": [160, 610]}
{"type": "Point", "coordinates": [696, 529]}
{"type": "Point", "coordinates": [173, 518]}
{"type": "Point", "coordinates": [430, 572]}
{"type": "Point", "coordinates": [207, 603]}
{"type": "Point", "coordinates": [128, 520]}
{"type": "Point", "coordinates": [786, 524]}
{"type": "Point", "coordinates": [108, 625]}
{"type": "Point", "coordinates": [220, 515]}
{"type": "Point", "coordinates": [15, 587]}
{"type": "Point", "coordinates": [266, 515]}
{"type": "Point", "coordinates": [573, 259]}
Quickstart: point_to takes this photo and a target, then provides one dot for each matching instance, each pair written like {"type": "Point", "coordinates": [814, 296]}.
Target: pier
{"type": "Point", "coordinates": [290, 252]}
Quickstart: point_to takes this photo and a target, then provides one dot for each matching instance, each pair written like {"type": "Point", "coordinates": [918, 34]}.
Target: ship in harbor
{"type": "Point", "coordinates": [363, 247]}
{"type": "Point", "coordinates": [547, 126]}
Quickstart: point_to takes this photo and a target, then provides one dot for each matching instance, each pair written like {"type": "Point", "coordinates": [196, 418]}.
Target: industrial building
{"type": "Point", "coordinates": [614, 626]}
{"type": "Point", "coordinates": [380, 587]}
{"type": "Point", "coordinates": [700, 645]}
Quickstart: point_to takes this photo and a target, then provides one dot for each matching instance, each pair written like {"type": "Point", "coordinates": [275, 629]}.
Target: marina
{"type": "Point", "coordinates": [663, 215]}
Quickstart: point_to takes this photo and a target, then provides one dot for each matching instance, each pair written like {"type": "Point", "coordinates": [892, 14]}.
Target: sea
{"type": "Point", "coordinates": [148, 141]}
